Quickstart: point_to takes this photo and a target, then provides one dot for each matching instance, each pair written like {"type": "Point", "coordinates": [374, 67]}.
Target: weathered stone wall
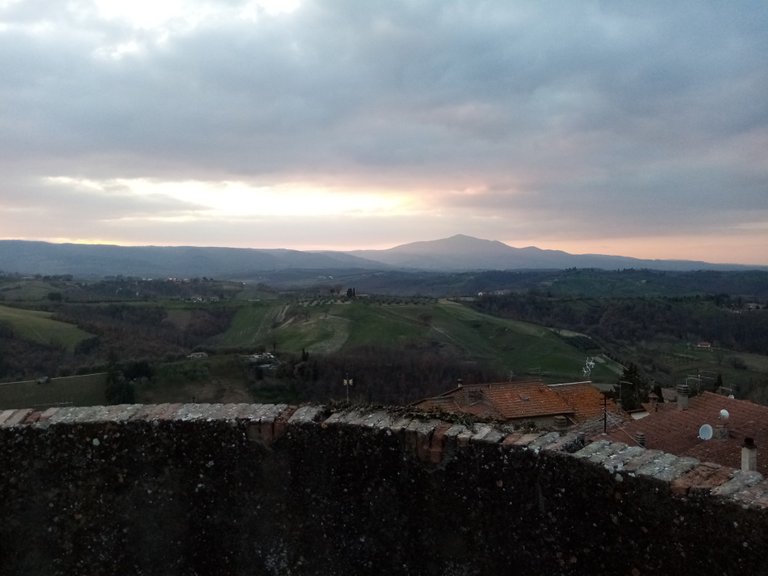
{"type": "Point", "coordinates": [252, 489]}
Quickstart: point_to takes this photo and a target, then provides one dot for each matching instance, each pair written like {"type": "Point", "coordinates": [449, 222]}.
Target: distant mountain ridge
{"type": "Point", "coordinates": [466, 253]}
{"type": "Point", "coordinates": [457, 253]}
{"type": "Point", "coordinates": [97, 260]}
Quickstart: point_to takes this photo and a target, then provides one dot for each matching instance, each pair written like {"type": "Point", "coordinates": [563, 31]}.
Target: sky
{"type": "Point", "coordinates": [613, 127]}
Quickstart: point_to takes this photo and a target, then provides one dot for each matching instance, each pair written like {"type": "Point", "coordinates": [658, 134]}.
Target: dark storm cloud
{"type": "Point", "coordinates": [651, 115]}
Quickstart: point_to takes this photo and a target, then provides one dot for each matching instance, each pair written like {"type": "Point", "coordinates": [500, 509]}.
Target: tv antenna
{"type": "Point", "coordinates": [696, 379]}
{"type": "Point", "coordinates": [706, 432]}
{"type": "Point", "coordinates": [588, 365]}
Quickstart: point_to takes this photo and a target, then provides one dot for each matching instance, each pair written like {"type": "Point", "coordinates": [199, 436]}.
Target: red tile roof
{"type": "Point", "coordinates": [522, 399]}
{"type": "Point", "coordinates": [586, 400]}
{"type": "Point", "coordinates": [677, 431]}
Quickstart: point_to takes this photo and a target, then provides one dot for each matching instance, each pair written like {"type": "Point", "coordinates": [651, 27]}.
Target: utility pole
{"type": "Point", "coordinates": [347, 383]}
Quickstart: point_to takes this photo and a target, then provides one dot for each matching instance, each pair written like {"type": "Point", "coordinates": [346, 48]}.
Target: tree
{"type": "Point", "coordinates": [119, 390]}
{"type": "Point", "coordinates": [632, 388]}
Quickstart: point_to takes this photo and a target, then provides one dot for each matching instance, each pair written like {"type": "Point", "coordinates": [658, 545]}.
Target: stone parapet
{"type": "Point", "coordinates": [279, 489]}
{"type": "Point", "coordinates": [428, 439]}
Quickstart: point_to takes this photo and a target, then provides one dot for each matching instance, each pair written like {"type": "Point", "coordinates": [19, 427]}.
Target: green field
{"type": "Point", "coordinates": [39, 327]}
{"type": "Point", "coordinates": [446, 327]}
{"type": "Point", "coordinates": [162, 321]}
{"type": "Point", "coordinates": [85, 390]}
{"type": "Point", "coordinates": [251, 325]}
{"type": "Point", "coordinates": [217, 379]}
{"type": "Point", "coordinates": [26, 290]}
{"type": "Point", "coordinates": [744, 374]}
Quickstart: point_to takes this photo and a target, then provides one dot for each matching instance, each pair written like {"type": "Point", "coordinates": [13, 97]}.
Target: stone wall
{"type": "Point", "coordinates": [272, 489]}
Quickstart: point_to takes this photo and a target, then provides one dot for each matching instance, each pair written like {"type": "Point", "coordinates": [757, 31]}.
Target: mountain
{"type": "Point", "coordinates": [97, 260]}
{"type": "Point", "coordinates": [462, 252]}
{"type": "Point", "coordinates": [457, 253]}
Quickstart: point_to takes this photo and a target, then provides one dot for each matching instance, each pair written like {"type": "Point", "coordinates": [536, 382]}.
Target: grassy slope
{"type": "Point", "coordinates": [515, 346]}
{"type": "Point", "coordinates": [36, 326]}
{"type": "Point", "coordinates": [26, 290]}
{"type": "Point", "coordinates": [745, 374]}
{"type": "Point", "coordinates": [322, 327]}
{"type": "Point", "coordinates": [214, 379]}
{"type": "Point", "coordinates": [85, 390]}
{"type": "Point", "coordinates": [251, 326]}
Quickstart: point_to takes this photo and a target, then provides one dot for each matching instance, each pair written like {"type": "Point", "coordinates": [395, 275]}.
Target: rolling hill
{"type": "Point", "coordinates": [38, 326]}
{"type": "Point", "coordinates": [97, 260]}
{"type": "Point", "coordinates": [457, 253]}
{"type": "Point", "coordinates": [439, 326]}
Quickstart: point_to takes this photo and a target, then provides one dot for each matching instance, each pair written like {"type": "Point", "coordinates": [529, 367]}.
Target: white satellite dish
{"type": "Point", "coordinates": [724, 414]}
{"type": "Point", "coordinates": [706, 432]}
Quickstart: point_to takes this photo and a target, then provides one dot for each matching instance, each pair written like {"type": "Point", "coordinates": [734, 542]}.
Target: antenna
{"type": "Point", "coordinates": [588, 365]}
{"type": "Point", "coordinates": [724, 414]}
{"type": "Point", "coordinates": [706, 432]}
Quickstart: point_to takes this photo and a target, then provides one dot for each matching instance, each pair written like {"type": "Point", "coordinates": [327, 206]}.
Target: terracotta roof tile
{"type": "Point", "coordinates": [677, 431]}
{"type": "Point", "coordinates": [521, 399]}
{"type": "Point", "coordinates": [525, 400]}
{"type": "Point", "coordinates": [586, 400]}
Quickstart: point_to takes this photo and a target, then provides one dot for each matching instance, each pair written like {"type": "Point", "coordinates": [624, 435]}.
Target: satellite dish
{"type": "Point", "coordinates": [724, 414]}
{"type": "Point", "coordinates": [706, 432]}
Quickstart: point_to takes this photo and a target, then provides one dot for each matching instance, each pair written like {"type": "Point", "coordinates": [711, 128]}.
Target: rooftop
{"type": "Point", "coordinates": [677, 431]}
{"type": "Point", "coordinates": [523, 399]}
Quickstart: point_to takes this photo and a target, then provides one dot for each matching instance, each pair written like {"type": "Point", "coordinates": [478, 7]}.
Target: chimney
{"type": "Point", "coordinates": [749, 455]}
{"type": "Point", "coordinates": [682, 396]}
{"type": "Point", "coordinates": [654, 402]}
{"type": "Point", "coordinates": [640, 439]}
{"type": "Point", "coordinates": [463, 394]}
{"type": "Point", "coordinates": [721, 430]}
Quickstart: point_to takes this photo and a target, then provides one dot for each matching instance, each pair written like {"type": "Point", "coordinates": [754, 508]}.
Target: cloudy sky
{"type": "Point", "coordinates": [619, 127]}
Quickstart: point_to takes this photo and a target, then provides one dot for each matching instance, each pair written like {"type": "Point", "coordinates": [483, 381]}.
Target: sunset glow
{"type": "Point", "coordinates": [314, 124]}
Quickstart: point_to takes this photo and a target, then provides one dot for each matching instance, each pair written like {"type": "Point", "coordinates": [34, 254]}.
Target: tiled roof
{"type": "Point", "coordinates": [525, 400]}
{"type": "Point", "coordinates": [521, 399]}
{"type": "Point", "coordinates": [586, 400]}
{"type": "Point", "coordinates": [677, 431]}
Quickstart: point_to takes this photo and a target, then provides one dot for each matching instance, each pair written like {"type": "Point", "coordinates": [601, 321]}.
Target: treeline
{"type": "Point", "coordinates": [582, 282]}
{"type": "Point", "coordinates": [126, 289]}
{"type": "Point", "coordinates": [143, 331]}
{"type": "Point", "coordinates": [135, 332]}
{"type": "Point", "coordinates": [21, 360]}
{"type": "Point", "coordinates": [721, 320]}
{"type": "Point", "coordinates": [378, 375]}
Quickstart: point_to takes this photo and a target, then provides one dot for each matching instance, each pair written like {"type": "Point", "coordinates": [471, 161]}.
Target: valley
{"type": "Point", "coordinates": [208, 340]}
